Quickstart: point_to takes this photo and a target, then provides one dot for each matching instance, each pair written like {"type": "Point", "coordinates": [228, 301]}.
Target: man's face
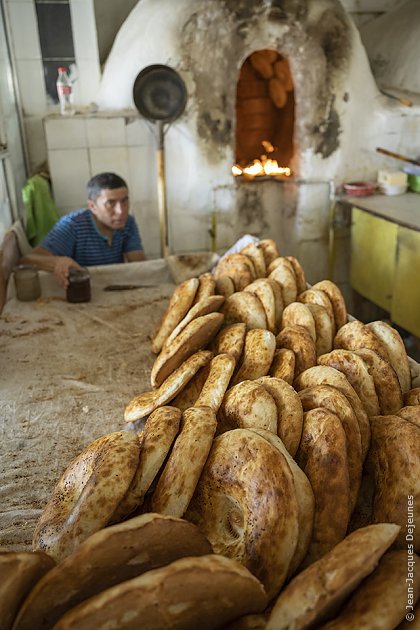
{"type": "Point", "coordinates": [111, 207]}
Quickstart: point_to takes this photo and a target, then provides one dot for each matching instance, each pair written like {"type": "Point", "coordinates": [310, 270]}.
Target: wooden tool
{"type": "Point", "coordinates": [403, 101]}
{"type": "Point", "coordinates": [398, 156]}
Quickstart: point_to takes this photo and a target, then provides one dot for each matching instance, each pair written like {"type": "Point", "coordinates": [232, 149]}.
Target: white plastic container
{"type": "Point", "coordinates": [65, 93]}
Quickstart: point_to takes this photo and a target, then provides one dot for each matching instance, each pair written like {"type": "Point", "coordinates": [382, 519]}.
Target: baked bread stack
{"type": "Point", "coordinates": [286, 435]}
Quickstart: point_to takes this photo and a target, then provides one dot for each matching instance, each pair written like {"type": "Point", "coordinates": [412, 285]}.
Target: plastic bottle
{"type": "Point", "coordinates": [65, 93]}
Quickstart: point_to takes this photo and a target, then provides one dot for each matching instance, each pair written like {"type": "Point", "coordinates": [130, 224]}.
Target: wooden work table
{"type": "Point", "coordinates": [385, 254]}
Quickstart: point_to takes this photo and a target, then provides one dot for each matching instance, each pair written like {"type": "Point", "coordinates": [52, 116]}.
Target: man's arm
{"type": "Point", "coordinates": [44, 260]}
{"type": "Point", "coordinates": [135, 256]}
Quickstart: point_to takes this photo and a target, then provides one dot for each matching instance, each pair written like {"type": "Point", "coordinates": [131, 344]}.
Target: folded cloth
{"type": "Point", "coordinates": [41, 210]}
{"type": "Point", "coordinates": [22, 241]}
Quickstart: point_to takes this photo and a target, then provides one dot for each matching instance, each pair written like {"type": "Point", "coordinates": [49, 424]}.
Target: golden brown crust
{"type": "Point", "coordinates": [86, 496]}
{"type": "Point", "coordinates": [385, 379]}
{"type": "Point", "coordinates": [397, 353]}
{"type": "Point", "coordinates": [328, 397]}
{"type": "Point", "coordinates": [410, 413]}
{"type": "Point", "coordinates": [300, 341]}
{"type": "Point", "coordinates": [159, 433]}
{"type": "Point", "coordinates": [230, 340]}
{"type": "Point", "coordinates": [380, 601]}
{"type": "Point", "coordinates": [225, 286]}
{"type": "Point", "coordinates": [289, 411]}
{"type": "Point", "coordinates": [257, 356]}
{"type": "Point", "coordinates": [321, 588]}
{"type": "Point", "coordinates": [247, 405]}
{"type": "Point", "coordinates": [356, 372]}
{"type": "Point", "coordinates": [195, 336]}
{"type": "Point", "coordinates": [284, 274]}
{"type": "Point", "coordinates": [355, 335]}
{"type": "Point", "coordinates": [305, 499]}
{"type": "Point", "coordinates": [238, 267]}
{"type": "Point", "coordinates": [322, 455]}
{"type": "Point", "coordinates": [394, 458]}
{"type": "Point", "coordinates": [316, 296]}
{"type": "Point", "coordinates": [298, 314]}
{"type": "Point", "coordinates": [259, 529]}
{"type": "Point", "coordinates": [256, 254]}
{"type": "Point", "coordinates": [245, 307]}
{"type": "Point", "coordinates": [269, 249]}
{"type": "Point", "coordinates": [283, 365]}
{"type": "Point", "coordinates": [147, 402]}
{"type": "Point", "coordinates": [263, 289]}
{"type": "Point", "coordinates": [113, 555]}
{"type": "Point", "coordinates": [220, 373]}
{"type": "Point", "coordinates": [337, 301]}
{"type": "Point", "coordinates": [19, 573]}
{"type": "Point", "coordinates": [206, 287]}
{"type": "Point", "coordinates": [179, 304]}
{"type": "Point", "coordinates": [206, 305]}
{"type": "Point", "coordinates": [299, 274]}
{"type": "Point", "coordinates": [177, 482]}
{"type": "Point", "coordinates": [173, 596]}
{"type": "Point", "coordinates": [323, 328]}
{"type": "Point", "coordinates": [325, 375]}
{"type": "Point", "coordinates": [412, 397]}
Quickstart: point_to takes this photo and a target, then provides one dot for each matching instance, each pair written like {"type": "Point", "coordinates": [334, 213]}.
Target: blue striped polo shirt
{"type": "Point", "coordinates": [77, 236]}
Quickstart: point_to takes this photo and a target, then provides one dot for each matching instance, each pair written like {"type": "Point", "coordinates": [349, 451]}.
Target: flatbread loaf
{"type": "Point", "coordinates": [238, 267]}
{"type": "Point", "coordinates": [195, 336]}
{"type": "Point", "coordinates": [322, 455]}
{"type": "Point", "coordinates": [143, 405]}
{"type": "Point", "coordinates": [385, 380]}
{"type": "Point", "coordinates": [289, 411]}
{"type": "Point", "coordinates": [316, 296]}
{"type": "Point", "coordinates": [86, 496]}
{"type": "Point", "coordinates": [298, 339]}
{"type": "Point", "coordinates": [112, 555]}
{"type": "Point", "coordinates": [305, 499]}
{"type": "Point", "coordinates": [156, 440]}
{"type": "Point", "coordinates": [225, 286]}
{"type": "Point", "coordinates": [249, 405]}
{"type": "Point", "coordinates": [380, 602]}
{"type": "Point", "coordinates": [177, 482]}
{"type": "Point", "coordinates": [284, 274]}
{"type": "Point", "coordinates": [19, 573]}
{"type": "Point", "coordinates": [394, 459]}
{"type": "Point", "coordinates": [337, 301]}
{"type": "Point", "coordinates": [178, 596]}
{"type": "Point", "coordinates": [412, 397]}
{"type": "Point", "coordinates": [179, 304]}
{"type": "Point", "coordinates": [206, 287]}
{"type": "Point", "coordinates": [269, 250]}
{"type": "Point", "coordinates": [208, 304]}
{"type": "Point", "coordinates": [328, 397]}
{"type": "Point", "coordinates": [318, 591]}
{"type": "Point", "coordinates": [357, 373]}
{"type": "Point", "coordinates": [263, 289]}
{"type": "Point", "coordinates": [323, 328]}
{"type": "Point", "coordinates": [214, 388]}
{"type": "Point", "coordinates": [298, 314]}
{"type": "Point", "coordinates": [355, 335]}
{"type": "Point", "coordinates": [299, 274]}
{"type": "Point", "coordinates": [257, 356]}
{"type": "Point", "coordinates": [231, 340]}
{"type": "Point", "coordinates": [239, 520]}
{"type": "Point", "coordinates": [245, 307]}
{"type": "Point", "coordinates": [284, 365]}
{"type": "Point", "coordinates": [396, 351]}
{"type": "Point", "coordinates": [325, 375]}
{"type": "Point", "coordinates": [410, 413]}
{"type": "Point", "coordinates": [254, 251]}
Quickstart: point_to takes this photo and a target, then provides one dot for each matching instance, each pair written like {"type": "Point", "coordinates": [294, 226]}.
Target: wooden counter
{"type": "Point", "coordinates": [385, 254]}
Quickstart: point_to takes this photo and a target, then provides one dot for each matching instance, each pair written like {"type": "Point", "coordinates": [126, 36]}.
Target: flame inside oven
{"type": "Point", "coordinates": [262, 167]}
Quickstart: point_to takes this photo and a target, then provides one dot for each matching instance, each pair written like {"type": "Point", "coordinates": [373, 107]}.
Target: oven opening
{"type": "Point", "coordinates": [265, 116]}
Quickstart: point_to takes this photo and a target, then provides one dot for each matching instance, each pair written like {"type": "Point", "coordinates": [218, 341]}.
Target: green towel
{"type": "Point", "coordinates": [41, 211]}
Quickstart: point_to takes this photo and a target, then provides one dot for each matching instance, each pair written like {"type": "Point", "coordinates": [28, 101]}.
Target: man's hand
{"type": "Point", "coordinates": [61, 269]}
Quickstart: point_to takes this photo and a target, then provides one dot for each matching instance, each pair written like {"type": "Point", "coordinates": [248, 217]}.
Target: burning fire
{"type": "Point", "coordinates": [263, 166]}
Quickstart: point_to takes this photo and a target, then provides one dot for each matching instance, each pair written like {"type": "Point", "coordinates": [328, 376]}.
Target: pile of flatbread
{"type": "Point", "coordinates": [269, 478]}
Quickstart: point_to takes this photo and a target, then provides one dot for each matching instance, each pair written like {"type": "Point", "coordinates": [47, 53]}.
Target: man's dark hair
{"type": "Point", "coordinates": [103, 180]}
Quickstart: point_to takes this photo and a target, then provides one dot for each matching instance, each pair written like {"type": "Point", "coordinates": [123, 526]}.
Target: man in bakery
{"type": "Point", "coordinates": [101, 234]}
